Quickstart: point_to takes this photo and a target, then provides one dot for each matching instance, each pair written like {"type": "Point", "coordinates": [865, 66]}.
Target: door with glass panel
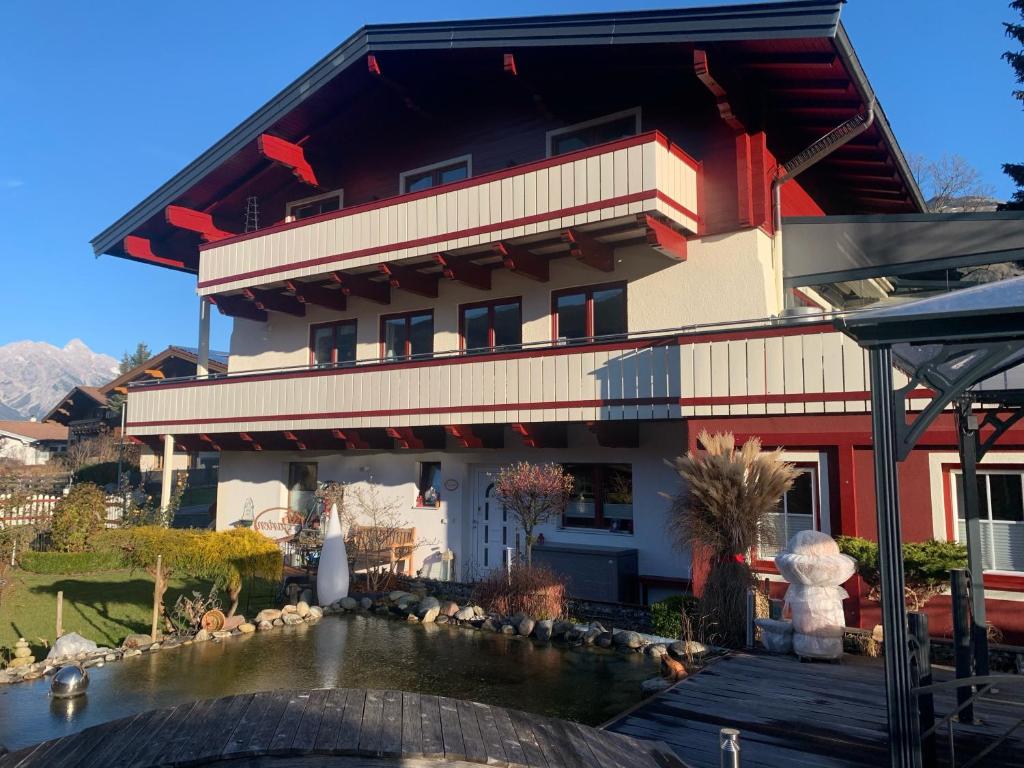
{"type": "Point", "coordinates": [495, 535]}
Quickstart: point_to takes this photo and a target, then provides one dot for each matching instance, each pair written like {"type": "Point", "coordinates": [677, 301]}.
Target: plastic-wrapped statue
{"type": "Point", "coordinates": [332, 572]}
{"type": "Point", "coordinates": [815, 568]}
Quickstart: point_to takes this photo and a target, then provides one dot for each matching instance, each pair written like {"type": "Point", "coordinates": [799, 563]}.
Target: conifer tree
{"type": "Point", "coordinates": [1015, 31]}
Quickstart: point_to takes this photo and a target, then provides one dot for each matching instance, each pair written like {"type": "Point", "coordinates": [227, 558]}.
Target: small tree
{"type": "Point", "coordinates": [77, 517]}
{"type": "Point", "coordinates": [376, 538]}
{"type": "Point", "coordinates": [721, 514]}
{"type": "Point", "coordinates": [533, 493]}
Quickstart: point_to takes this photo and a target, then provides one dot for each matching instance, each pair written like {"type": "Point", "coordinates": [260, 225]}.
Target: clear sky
{"type": "Point", "coordinates": [101, 102]}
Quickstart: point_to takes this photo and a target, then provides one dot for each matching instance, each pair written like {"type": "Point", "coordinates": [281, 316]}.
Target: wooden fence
{"type": "Point", "coordinates": [37, 509]}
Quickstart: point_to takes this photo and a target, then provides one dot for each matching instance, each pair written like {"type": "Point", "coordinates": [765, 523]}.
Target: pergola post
{"type": "Point", "coordinates": [967, 435]}
{"type": "Point", "coordinates": [167, 475]}
{"type": "Point", "coordinates": [203, 348]}
{"type": "Point", "coordinates": [904, 748]}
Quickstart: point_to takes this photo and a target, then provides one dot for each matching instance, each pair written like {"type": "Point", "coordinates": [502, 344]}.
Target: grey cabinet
{"type": "Point", "coordinates": [592, 572]}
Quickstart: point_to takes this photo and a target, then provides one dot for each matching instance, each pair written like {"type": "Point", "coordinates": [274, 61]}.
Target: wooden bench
{"type": "Point", "coordinates": [371, 547]}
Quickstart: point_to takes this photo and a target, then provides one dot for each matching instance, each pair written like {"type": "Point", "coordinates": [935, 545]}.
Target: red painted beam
{"type": "Point", "coordinates": [140, 248]}
{"type": "Point", "coordinates": [464, 271]}
{"type": "Point", "coordinates": [477, 435]}
{"type": "Point", "coordinates": [350, 438]}
{"type": "Point", "coordinates": [195, 221]}
{"type": "Point", "coordinates": [290, 437]}
{"type": "Point", "coordinates": [372, 65]}
{"type": "Point", "coordinates": [238, 306]}
{"type": "Point", "coordinates": [725, 110]}
{"type": "Point", "coordinates": [542, 435]}
{"type": "Point", "coordinates": [411, 280]}
{"type": "Point", "coordinates": [615, 434]}
{"type": "Point", "coordinates": [662, 238]}
{"type": "Point", "coordinates": [289, 155]}
{"type": "Point", "coordinates": [246, 437]}
{"type": "Point", "coordinates": [405, 437]}
{"type": "Point", "coordinates": [311, 293]}
{"type": "Point", "coordinates": [519, 260]}
{"type": "Point", "coordinates": [589, 251]}
{"type": "Point", "coordinates": [210, 441]}
{"type": "Point", "coordinates": [509, 63]}
{"type": "Point", "coordinates": [361, 286]}
{"type": "Point", "coordinates": [275, 302]}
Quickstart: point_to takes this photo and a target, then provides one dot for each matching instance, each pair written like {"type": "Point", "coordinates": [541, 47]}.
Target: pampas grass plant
{"type": "Point", "coordinates": [722, 512]}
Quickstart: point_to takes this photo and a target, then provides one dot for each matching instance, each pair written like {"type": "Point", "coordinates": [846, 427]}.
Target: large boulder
{"type": "Point", "coordinates": [292, 618]}
{"type": "Point", "coordinates": [684, 649]}
{"type": "Point", "coordinates": [268, 614]}
{"type": "Point", "coordinates": [627, 640]}
{"type": "Point", "coordinates": [525, 626]}
{"type": "Point", "coordinates": [302, 608]}
{"type": "Point", "coordinates": [246, 628]}
{"type": "Point", "coordinates": [430, 615]}
{"type": "Point", "coordinates": [508, 629]}
{"type": "Point", "coordinates": [449, 608]}
{"type": "Point", "coordinates": [591, 634]}
{"type": "Point", "coordinates": [71, 645]}
{"type": "Point", "coordinates": [136, 641]}
{"type": "Point", "coordinates": [366, 603]}
{"type": "Point", "coordinates": [348, 603]}
{"type": "Point", "coordinates": [656, 650]}
{"type": "Point", "coordinates": [426, 604]}
{"type": "Point", "coordinates": [604, 640]}
{"type": "Point", "coordinates": [465, 614]}
{"type": "Point", "coordinates": [561, 627]}
{"type": "Point", "coordinates": [544, 629]}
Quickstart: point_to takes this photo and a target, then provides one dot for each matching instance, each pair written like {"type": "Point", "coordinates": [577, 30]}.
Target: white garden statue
{"type": "Point", "coordinates": [815, 569]}
{"type": "Point", "coordinates": [332, 572]}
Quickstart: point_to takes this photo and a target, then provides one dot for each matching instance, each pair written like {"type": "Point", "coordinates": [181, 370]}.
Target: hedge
{"type": "Point", "coordinates": [71, 562]}
{"type": "Point", "coordinates": [926, 566]}
{"type": "Point", "coordinates": [105, 473]}
{"type": "Point", "coordinates": [666, 618]}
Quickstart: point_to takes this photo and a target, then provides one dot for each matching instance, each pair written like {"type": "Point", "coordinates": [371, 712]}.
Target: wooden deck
{"type": "Point", "coordinates": [793, 714]}
{"type": "Point", "coordinates": [341, 727]}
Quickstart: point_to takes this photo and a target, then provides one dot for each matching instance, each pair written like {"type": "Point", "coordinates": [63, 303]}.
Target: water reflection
{"type": "Point", "coordinates": [356, 651]}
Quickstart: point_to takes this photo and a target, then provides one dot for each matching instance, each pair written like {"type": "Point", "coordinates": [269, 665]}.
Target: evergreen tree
{"type": "Point", "coordinates": [134, 359]}
{"type": "Point", "coordinates": [1016, 59]}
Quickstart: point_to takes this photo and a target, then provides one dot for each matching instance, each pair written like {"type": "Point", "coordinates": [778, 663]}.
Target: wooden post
{"type": "Point", "coordinates": [60, 615]}
{"type": "Point", "coordinates": [157, 595]}
{"type": "Point", "coordinates": [918, 623]}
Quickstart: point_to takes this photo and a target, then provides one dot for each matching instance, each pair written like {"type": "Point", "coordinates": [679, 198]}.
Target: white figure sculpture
{"type": "Point", "coordinates": [815, 568]}
{"type": "Point", "coordinates": [332, 573]}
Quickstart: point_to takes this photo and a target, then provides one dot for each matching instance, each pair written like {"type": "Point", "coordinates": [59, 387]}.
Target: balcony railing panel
{"type": "Point", "coordinates": [635, 175]}
{"type": "Point", "coordinates": [809, 369]}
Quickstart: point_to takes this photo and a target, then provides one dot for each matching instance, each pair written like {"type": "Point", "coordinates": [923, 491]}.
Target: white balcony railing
{"type": "Point", "coordinates": [641, 174]}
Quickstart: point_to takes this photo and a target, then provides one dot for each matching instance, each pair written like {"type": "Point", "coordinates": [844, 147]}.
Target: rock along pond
{"type": "Point", "coordinates": [589, 685]}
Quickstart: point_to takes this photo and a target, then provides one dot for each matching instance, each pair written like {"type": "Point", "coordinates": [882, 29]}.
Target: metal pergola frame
{"type": "Point", "coordinates": [956, 345]}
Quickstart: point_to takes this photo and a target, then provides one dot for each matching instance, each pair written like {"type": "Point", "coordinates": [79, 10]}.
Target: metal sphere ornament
{"type": "Point", "coordinates": [69, 681]}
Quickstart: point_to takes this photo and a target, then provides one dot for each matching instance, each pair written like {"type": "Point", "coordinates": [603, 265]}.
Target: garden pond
{"type": "Point", "coordinates": [589, 685]}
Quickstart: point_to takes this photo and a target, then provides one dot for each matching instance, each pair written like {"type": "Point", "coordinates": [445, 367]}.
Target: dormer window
{"type": "Point", "coordinates": [435, 175]}
{"type": "Point", "coordinates": [589, 133]}
{"type": "Point", "coordinates": [313, 206]}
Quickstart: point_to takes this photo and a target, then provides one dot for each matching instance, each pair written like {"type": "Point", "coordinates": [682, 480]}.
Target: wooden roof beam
{"type": "Point", "coordinates": [409, 279]}
{"type": "Point", "coordinates": [195, 221]}
{"type": "Point", "coordinates": [662, 238]}
{"type": "Point", "coordinates": [311, 293]}
{"type": "Point", "coordinates": [238, 306]}
{"type": "Point", "coordinates": [588, 250]}
{"type": "Point", "coordinates": [543, 435]}
{"type": "Point", "coordinates": [291, 437]}
{"type": "Point", "coordinates": [289, 155]}
{"type": "Point", "coordinates": [477, 435]}
{"type": "Point", "coordinates": [725, 109]}
{"type": "Point", "coordinates": [363, 287]}
{"type": "Point", "coordinates": [210, 442]}
{"type": "Point", "coordinates": [275, 302]}
{"type": "Point", "coordinates": [250, 440]}
{"type": "Point", "coordinates": [464, 271]}
{"type": "Point", "coordinates": [521, 261]}
{"type": "Point", "coordinates": [615, 434]}
{"type": "Point", "coordinates": [141, 248]}
{"type": "Point", "coordinates": [351, 438]}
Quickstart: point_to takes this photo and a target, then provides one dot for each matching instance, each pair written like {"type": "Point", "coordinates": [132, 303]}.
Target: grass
{"type": "Point", "coordinates": [105, 606]}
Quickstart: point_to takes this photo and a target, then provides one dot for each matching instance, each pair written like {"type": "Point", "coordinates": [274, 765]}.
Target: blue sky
{"type": "Point", "coordinates": [104, 101]}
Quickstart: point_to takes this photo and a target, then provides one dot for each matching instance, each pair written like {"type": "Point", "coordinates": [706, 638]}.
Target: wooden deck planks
{"type": "Point", "coordinates": [367, 726]}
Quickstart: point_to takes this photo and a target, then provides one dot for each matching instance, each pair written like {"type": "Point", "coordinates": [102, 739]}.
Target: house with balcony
{"type": "Point", "coordinates": [450, 246]}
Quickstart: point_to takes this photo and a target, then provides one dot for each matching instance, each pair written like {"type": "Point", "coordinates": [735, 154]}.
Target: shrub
{"type": "Point", "coordinates": [77, 517]}
{"type": "Point", "coordinates": [105, 473]}
{"type": "Point", "coordinates": [71, 562]}
{"type": "Point", "coordinates": [534, 590]}
{"type": "Point", "coordinates": [926, 566]}
{"type": "Point", "coordinates": [227, 558]}
{"type": "Point", "coordinates": [666, 615]}
{"type": "Point", "coordinates": [534, 494]}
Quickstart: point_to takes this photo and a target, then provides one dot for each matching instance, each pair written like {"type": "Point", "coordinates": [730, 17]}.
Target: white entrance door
{"type": "Point", "coordinates": [493, 529]}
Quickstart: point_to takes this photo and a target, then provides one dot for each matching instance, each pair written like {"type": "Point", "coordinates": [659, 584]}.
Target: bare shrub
{"type": "Point", "coordinates": [534, 590]}
{"type": "Point", "coordinates": [534, 494]}
{"type": "Point", "coordinates": [377, 537]}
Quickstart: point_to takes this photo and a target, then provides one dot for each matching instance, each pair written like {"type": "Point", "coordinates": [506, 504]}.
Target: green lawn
{"type": "Point", "coordinates": [104, 606]}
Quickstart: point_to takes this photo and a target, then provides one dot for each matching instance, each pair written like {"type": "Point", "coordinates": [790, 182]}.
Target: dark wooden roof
{"type": "Point", "coordinates": [341, 722]}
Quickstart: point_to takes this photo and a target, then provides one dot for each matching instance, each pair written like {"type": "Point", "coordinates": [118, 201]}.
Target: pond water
{"type": "Point", "coordinates": [589, 685]}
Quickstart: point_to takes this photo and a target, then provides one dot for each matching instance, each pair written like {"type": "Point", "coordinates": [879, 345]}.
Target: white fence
{"type": "Point", "coordinates": [37, 509]}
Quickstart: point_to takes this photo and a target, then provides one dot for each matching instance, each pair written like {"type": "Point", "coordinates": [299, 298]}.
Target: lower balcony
{"type": "Point", "coordinates": [458, 400]}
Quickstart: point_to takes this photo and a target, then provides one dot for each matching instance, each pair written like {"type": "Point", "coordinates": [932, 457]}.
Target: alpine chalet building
{"type": "Point", "coordinates": [450, 246]}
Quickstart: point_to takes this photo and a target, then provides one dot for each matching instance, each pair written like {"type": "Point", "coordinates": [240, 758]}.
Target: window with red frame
{"type": "Point", "coordinates": [796, 512]}
{"type": "Point", "coordinates": [602, 497]}
{"type": "Point", "coordinates": [333, 343]}
{"type": "Point", "coordinates": [585, 313]}
{"type": "Point", "coordinates": [491, 325]}
{"type": "Point", "coordinates": [407, 335]}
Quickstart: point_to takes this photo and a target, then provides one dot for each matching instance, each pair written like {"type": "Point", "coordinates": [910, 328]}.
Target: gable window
{"type": "Point", "coordinates": [332, 343]}
{"type": "Point", "coordinates": [313, 206]}
{"type": "Point", "coordinates": [435, 175]}
{"type": "Point", "coordinates": [602, 497]}
{"type": "Point", "coordinates": [797, 512]}
{"type": "Point", "coordinates": [618, 125]}
{"type": "Point", "coordinates": [407, 335]}
{"type": "Point", "coordinates": [491, 325]}
{"type": "Point", "coordinates": [586, 313]}
{"type": "Point", "coordinates": [1001, 509]}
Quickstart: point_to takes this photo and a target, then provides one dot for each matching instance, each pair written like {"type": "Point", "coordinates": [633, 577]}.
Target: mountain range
{"type": "Point", "coordinates": [34, 375]}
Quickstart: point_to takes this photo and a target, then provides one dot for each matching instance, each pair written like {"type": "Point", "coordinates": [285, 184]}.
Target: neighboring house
{"type": "Point", "coordinates": [548, 239]}
{"type": "Point", "coordinates": [87, 411]}
{"type": "Point", "coordinates": [32, 442]}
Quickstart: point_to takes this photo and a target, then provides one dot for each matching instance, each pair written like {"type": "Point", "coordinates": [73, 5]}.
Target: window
{"type": "Point", "coordinates": [592, 132]}
{"type": "Point", "coordinates": [602, 497]}
{"type": "Point", "coordinates": [428, 176]}
{"type": "Point", "coordinates": [585, 313]}
{"type": "Point", "coordinates": [796, 513]}
{"type": "Point", "coordinates": [406, 335]}
{"type": "Point", "coordinates": [332, 343]}
{"type": "Point", "coordinates": [313, 206]}
{"type": "Point", "coordinates": [1001, 508]}
{"type": "Point", "coordinates": [429, 485]}
{"type": "Point", "coordinates": [491, 325]}
{"type": "Point", "coordinates": [302, 483]}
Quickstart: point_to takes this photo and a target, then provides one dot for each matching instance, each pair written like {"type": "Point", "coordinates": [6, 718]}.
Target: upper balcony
{"type": "Point", "coordinates": [581, 204]}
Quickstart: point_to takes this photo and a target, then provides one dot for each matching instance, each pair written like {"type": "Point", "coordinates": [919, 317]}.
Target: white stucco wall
{"type": "Point", "coordinates": [260, 477]}
{"type": "Point", "coordinates": [727, 277]}
{"type": "Point", "coordinates": [23, 451]}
